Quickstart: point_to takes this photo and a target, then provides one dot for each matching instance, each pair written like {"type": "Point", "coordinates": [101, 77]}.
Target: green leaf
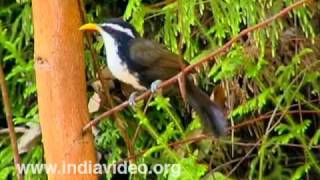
{"type": "Point", "coordinates": [300, 171]}
{"type": "Point", "coordinates": [253, 104]}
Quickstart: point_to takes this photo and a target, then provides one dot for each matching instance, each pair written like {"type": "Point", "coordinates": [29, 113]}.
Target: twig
{"type": "Point", "coordinates": [267, 116]}
{"type": "Point", "coordinates": [250, 144]}
{"type": "Point", "coordinates": [161, 4]}
{"type": "Point", "coordinates": [243, 158]}
{"type": "Point", "coordinates": [88, 36]}
{"type": "Point", "coordinates": [137, 131]}
{"type": "Point", "coordinates": [8, 111]}
{"type": "Point", "coordinates": [16, 130]}
{"type": "Point", "coordinates": [206, 136]}
{"type": "Point", "coordinates": [225, 164]}
{"type": "Point", "coordinates": [119, 121]}
{"type": "Point", "coordinates": [124, 134]}
{"type": "Point", "coordinates": [222, 50]}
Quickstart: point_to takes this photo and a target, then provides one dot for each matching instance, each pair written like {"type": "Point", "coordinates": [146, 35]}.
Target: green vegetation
{"type": "Point", "coordinates": [271, 79]}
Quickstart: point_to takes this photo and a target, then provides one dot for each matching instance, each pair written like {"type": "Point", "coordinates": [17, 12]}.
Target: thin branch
{"type": "Point", "coordinates": [207, 136]}
{"type": "Point", "coordinates": [222, 50]}
{"type": "Point", "coordinates": [226, 164]}
{"type": "Point", "coordinates": [198, 138]}
{"type": "Point", "coordinates": [16, 130]}
{"type": "Point", "coordinates": [119, 121]}
{"type": "Point", "coordinates": [8, 111]}
{"type": "Point", "coordinates": [161, 4]}
{"type": "Point", "coordinates": [268, 115]}
{"type": "Point", "coordinates": [243, 158]}
{"type": "Point", "coordinates": [105, 96]}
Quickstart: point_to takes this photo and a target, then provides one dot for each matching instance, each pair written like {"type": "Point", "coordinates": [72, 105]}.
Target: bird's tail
{"type": "Point", "coordinates": [211, 115]}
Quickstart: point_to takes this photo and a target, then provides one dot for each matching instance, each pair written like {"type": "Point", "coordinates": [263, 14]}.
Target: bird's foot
{"type": "Point", "coordinates": [132, 98]}
{"type": "Point", "coordinates": [154, 86]}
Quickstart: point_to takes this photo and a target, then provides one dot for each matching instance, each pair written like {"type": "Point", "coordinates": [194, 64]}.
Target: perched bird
{"type": "Point", "coordinates": [143, 63]}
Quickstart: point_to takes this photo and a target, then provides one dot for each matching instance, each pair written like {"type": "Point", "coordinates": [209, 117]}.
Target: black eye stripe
{"type": "Point", "coordinates": [116, 29]}
{"type": "Point", "coordinates": [117, 22]}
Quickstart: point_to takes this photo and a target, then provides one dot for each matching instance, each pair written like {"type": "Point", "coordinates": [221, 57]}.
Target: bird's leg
{"type": "Point", "coordinates": [154, 86]}
{"type": "Point", "coordinates": [132, 98]}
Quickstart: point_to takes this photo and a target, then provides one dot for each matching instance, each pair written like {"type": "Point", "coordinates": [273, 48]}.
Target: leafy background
{"type": "Point", "coordinates": [268, 83]}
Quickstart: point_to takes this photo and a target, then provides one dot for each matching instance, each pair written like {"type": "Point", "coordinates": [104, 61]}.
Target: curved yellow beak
{"type": "Point", "coordinates": [90, 27]}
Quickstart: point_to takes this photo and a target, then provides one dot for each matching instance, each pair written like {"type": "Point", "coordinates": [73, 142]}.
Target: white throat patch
{"type": "Point", "coordinates": [119, 28]}
{"type": "Point", "coordinates": [119, 69]}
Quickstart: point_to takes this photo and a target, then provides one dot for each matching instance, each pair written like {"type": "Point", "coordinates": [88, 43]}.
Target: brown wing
{"type": "Point", "coordinates": [159, 62]}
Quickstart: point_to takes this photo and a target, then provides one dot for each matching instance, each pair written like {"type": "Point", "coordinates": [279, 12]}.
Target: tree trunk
{"type": "Point", "coordinates": [61, 86]}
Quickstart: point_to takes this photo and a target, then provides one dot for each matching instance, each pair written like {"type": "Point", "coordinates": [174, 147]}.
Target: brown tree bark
{"type": "Point", "coordinates": [61, 86]}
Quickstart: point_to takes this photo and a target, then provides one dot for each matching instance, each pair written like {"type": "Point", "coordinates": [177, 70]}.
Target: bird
{"type": "Point", "coordinates": [144, 64]}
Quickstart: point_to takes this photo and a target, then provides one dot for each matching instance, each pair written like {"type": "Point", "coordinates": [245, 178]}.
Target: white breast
{"type": "Point", "coordinates": [119, 70]}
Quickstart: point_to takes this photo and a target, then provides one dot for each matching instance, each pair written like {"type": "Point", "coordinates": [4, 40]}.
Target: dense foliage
{"type": "Point", "coordinates": [270, 84]}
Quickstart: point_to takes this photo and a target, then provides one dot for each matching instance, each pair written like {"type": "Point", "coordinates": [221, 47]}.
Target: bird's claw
{"type": "Point", "coordinates": [132, 98]}
{"type": "Point", "coordinates": [154, 86]}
